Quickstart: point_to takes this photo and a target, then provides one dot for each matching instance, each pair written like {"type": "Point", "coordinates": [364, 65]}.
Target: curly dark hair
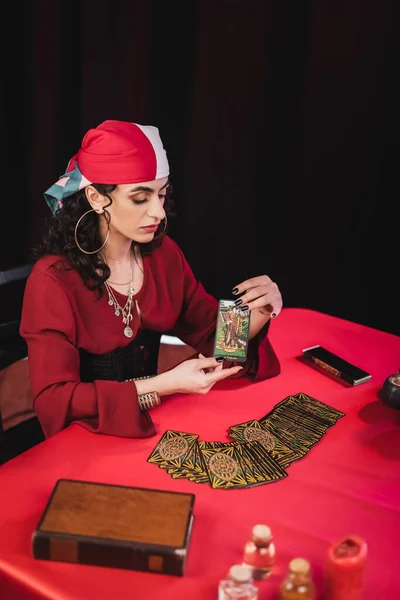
{"type": "Point", "coordinates": [59, 236]}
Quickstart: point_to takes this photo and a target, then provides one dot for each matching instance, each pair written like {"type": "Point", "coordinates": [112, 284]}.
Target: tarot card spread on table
{"type": "Point", "coordinates": [260, 450]}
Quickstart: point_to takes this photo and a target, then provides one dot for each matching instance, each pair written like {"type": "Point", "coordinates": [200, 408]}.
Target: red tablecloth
{"type": "Point", "coordinates": [348, 483]}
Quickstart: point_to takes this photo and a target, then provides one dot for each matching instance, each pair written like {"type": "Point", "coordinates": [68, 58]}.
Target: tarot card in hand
{"type": "Point", "coordinates": [172, 448]}
{"type": "Point", "coordinates": [232, 331]}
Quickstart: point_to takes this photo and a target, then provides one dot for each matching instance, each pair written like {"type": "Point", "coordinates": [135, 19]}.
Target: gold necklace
{"type": "Point", "coordinates": [126, 310]}
{"type": "Point", "coordinates": [117, 283]}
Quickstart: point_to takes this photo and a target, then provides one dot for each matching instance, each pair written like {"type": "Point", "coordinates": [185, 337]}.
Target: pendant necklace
{"type": "Point", "coordinates": [125, 311]}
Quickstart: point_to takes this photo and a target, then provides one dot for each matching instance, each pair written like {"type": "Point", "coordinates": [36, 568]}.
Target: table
{"type": "Point", "coordinates": [349, 482]}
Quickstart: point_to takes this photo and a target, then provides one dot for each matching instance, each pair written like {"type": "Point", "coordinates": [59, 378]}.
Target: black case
{"type": "Point", "coordinates": [333, 366]}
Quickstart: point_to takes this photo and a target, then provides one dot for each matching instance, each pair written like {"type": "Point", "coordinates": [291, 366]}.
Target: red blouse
{"type": "Point", "coordinates": [60, 314]}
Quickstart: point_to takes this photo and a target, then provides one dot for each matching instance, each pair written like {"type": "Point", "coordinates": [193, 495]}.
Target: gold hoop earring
{"type": "Point", "coordinates": [164, 230]}
{"type": "Point", "coordinates": [107, 236]}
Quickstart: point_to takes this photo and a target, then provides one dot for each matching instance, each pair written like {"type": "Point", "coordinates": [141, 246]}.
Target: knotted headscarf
{"type": "Point", "coordinates": [115, 152]}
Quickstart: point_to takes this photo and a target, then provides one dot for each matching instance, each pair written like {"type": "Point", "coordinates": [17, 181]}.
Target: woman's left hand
{"type": "Point", "coordinates": [261, 293]}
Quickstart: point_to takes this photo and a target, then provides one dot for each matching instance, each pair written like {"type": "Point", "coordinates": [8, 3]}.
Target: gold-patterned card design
{"type": "Point", "coordinates": [191, 467]}
{"type": "Point", "coordinates": [296, 443]}
{"type": "Point", "coordinates": [260, 451]}
{"type": "Point", "coordinates": [289, 427]}
{"type": "Point", "coordinates": [199, 474]}
{"type": "Point", "coordinates": [251, 431]}
{"type": "Point", "coordinates": [187, 464]}
{"type": "Point", "coordinates": [300, 416]}
{"type": "Point", "coordinates": [324, 412]}
{"type": "Point", "coordinates": [309, 405]}
{"type": "Point", "coordinates": [258, 464]}
{"type": "Point", "coordinates": [204, 445]}
{"type": "Point", "coordinates": [172, 448]}
{"type": "Point", "coordinates": [224, 467]}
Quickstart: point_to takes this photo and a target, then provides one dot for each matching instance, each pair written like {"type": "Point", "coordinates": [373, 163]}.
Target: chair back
{"type": "Point", "coordinates": [19, 427]}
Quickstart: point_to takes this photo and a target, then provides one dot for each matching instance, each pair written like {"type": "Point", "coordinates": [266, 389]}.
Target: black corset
{"type": "Point", "coordinates": [137, 359]}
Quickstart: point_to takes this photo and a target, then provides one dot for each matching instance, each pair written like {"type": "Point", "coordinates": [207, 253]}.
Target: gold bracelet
{"type": "Point", "coordinates": [149, 400]}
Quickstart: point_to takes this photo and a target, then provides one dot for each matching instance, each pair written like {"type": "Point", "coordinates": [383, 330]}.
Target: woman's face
{"type": "Point", "coordinates": [136, 209]}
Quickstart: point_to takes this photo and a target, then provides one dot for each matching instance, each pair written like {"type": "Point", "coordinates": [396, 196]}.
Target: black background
{"type": "Point", "coordinates": [280, 119]}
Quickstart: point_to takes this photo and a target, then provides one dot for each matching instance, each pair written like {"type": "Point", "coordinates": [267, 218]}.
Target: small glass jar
{"type": "Point", "coordinates": [259, 552]}
{"type": "Point", "coordinates": [238, 585]}
{"type": "Point", "coordinates": [298, 583]}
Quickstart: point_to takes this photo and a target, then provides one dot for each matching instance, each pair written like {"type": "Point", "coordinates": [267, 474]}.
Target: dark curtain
{"type": "Point", "coordinates": [280, 120]}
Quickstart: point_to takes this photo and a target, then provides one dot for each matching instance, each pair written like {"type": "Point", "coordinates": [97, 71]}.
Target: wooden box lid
{"type": "Point", "coordinates": [115, 512]}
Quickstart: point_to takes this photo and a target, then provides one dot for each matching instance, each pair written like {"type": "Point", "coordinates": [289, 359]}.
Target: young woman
{"type": "Point", "coordinates": [108, 282]}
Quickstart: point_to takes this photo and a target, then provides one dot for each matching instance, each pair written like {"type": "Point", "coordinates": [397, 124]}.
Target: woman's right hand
{"type": "Point", "coordinates": [194, 376]}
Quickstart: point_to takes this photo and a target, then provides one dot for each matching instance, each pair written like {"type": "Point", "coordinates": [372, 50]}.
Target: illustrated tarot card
{"type": "Point", "coordinates": [232, 332]}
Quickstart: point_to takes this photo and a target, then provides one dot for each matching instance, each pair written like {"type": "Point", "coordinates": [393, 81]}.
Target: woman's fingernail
{"type": "Point", "coordinates": [220, 359]}
{"type": "Point", "coordinates": [238, 302]}
{"type": "Point", "coordinates": [235, 290]}
{"type": "Point", "coordinates": [273, 316]}
{"type": "Point", "coordinates": [245, 307]}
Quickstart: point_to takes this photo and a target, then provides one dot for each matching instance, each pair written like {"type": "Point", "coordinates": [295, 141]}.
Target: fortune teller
{"type": "Point", "coordinates": [108, 282]}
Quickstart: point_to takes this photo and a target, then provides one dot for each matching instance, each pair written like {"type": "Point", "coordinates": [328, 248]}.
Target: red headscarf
{"type": "Point", "coordinates": [114, 152]}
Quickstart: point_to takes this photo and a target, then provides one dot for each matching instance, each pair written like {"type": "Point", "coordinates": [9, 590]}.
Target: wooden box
{"type": "Point", "coordinates": [115, 526]}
